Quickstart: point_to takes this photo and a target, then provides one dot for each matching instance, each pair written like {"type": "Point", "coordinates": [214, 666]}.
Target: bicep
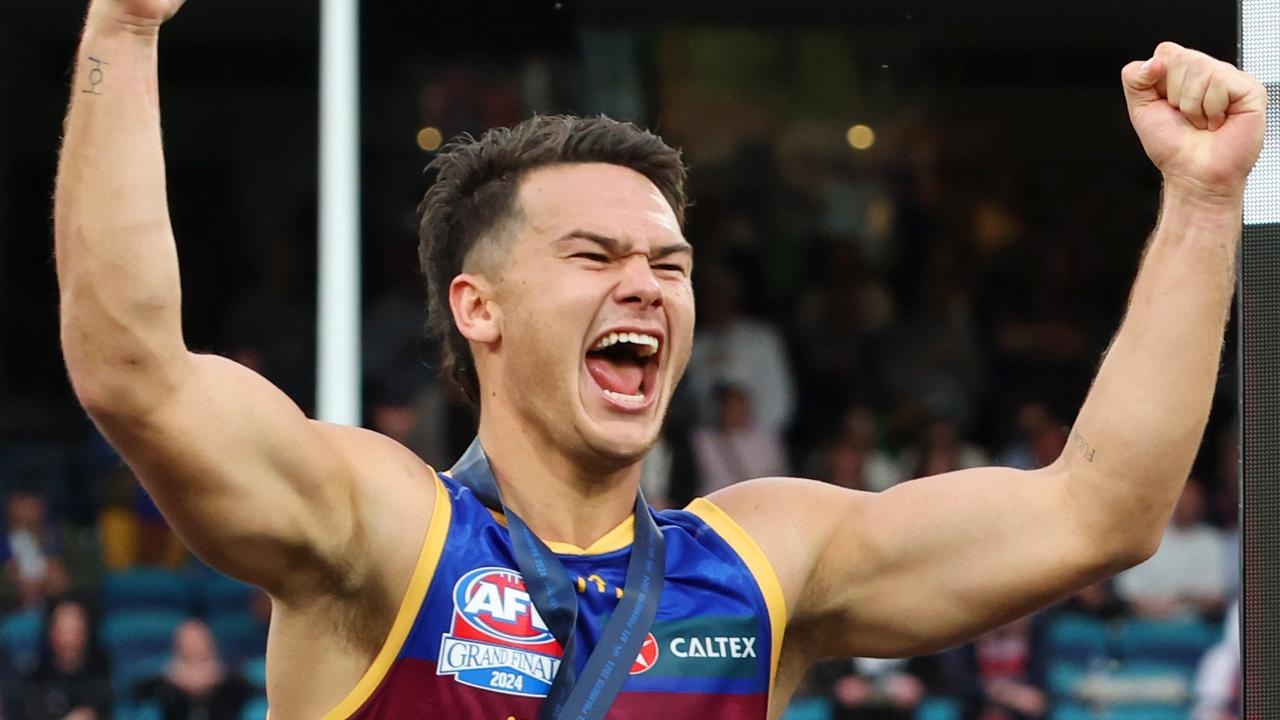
{"type": "Point", "coordinates": [936, 561]}
{"type": "Point", "coordinates": [922, 566]}
{"type": "Point", "coordinates": [248, 482]}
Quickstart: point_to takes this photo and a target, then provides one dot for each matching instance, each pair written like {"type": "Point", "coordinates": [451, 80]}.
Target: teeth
{"type": "Point", "coordinates": [648, 344]}
{"type": "Point", "coordinates": [623, 399]}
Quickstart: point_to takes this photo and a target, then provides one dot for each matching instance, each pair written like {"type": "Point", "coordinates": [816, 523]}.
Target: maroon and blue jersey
{"type": "Point", "coordinates": [468, 643]}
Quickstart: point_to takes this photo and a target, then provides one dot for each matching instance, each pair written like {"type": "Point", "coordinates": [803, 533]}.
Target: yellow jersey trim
{"type": "Point", "coordinates": [760, 568]}
{"type": "Point", "coordinates": [619, 537]}
{"type": "Point", "coordinates": [428, 559]}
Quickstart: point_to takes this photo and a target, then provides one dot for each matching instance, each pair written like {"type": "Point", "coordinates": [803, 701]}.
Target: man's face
{"type": "Point", "coordinates": [595, 311]}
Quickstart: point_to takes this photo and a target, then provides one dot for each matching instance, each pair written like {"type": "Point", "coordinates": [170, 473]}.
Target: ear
{"type": "Point", "coordinates": [478, 318]}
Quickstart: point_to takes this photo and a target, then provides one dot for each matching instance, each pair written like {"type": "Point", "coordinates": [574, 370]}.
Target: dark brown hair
{"type": "Point", "coordinates": [475, 192]}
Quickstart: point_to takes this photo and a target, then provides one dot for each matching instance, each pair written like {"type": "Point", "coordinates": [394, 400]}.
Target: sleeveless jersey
{"type": "Point", "coordinates": [468, 644]}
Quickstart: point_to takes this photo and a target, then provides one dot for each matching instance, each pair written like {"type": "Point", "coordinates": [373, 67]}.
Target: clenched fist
{"type": "Point", "coordinates": [1200, 120]}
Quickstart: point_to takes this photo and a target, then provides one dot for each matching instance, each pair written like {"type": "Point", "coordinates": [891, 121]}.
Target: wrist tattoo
{"type": "Point", "coordinates": [1082, 446]}
{"type": "Point", "coordinates": [96, 75]}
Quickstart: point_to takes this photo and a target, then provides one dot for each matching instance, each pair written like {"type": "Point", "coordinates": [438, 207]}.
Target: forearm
{"type": "Point", "coordinates": [1140, 427]}
{"type": "Point", "coordinates": [116, 261]}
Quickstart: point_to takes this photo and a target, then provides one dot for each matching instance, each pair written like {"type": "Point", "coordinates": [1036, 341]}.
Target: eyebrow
{"type": "Point", "coordinates": [617, 247]}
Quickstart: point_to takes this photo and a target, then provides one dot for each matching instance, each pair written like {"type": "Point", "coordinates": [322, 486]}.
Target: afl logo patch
{"type": "Point", "coordinates": [495, 602]}
{"type": "Point", "coordinates": [648, 656]}
{"type": "Point", "coordinates": [498, 641]}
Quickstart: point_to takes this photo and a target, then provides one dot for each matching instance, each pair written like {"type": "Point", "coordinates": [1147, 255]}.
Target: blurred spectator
{"type": "Point", "coordinates": [195, 684]}
{"type": "Point", "coordinates": [31, 552]}
{"type": "Point", "coordinates": [834, 325]}
{"type": "Point", "coordinates": [1098, 600]}
{"type": "Point", "coordinates": [735, 448]}
{"type": "Point", "coordinates": [942, 450]}
{"type": "Point", "coordinates": [1007, 663]}
{"type": "Point", "coordinates": [1030, 306]}
{"type": "Point", "coordinates": [732, 349]}
{"type": "Point", "coordinates": [933, 359]}
{"type": "Point", "coordinates": [118, 528]}
{"type": "Point", "coordinates": [655, 475]}
{"type": "Point", "coordinates": [132, 529]}
{"type": "Point", "coordinates": [1040, 440]}
{"type": "Point", "coordinates": [1217, 684]}
{"type": "Point", "coordinates": [266, 326]}
{"type": "Point", "coordinates": [397, 352]}
{"type": "Point", "coordinates": [1227, 500]}
{"type": "Point", "coordinates": [878, 690]}
{"type": "Point", "coordinates": [854, 459]}
{"type": "Point", "coordinates": [842, 464]}
{"type": "Point", "coordinates": [1186, 574]}
{"type": "Point", "coordinates": [1226, 504]}
{"type": "Point", "coordinates": [73, 680]}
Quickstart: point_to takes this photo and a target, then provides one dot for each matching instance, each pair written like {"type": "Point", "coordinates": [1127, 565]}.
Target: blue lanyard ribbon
{"type": "Point", "coordinates": [553, 594]}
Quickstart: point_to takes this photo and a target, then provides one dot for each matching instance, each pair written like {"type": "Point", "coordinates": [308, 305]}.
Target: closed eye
{"type": "Point", "coordinates": [593, 257]}
{"type": "Point", "coordinates": [670, 267]}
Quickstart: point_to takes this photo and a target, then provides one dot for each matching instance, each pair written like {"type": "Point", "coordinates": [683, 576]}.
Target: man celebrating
{"type": "Point", "coordinates": [532, 581]}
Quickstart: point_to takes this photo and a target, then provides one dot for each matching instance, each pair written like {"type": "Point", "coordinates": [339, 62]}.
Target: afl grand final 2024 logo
{"type": "Point", "coordinates": [498, 642]}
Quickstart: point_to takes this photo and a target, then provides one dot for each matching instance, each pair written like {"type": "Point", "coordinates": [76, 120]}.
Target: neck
{"type": "Point", "coordinates": [557, 497]}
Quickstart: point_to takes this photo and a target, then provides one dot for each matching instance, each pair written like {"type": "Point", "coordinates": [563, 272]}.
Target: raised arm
{"type": "Point", "coordinates": [248, 481]}
{"type": "Point", "coordinates": [935, 561]}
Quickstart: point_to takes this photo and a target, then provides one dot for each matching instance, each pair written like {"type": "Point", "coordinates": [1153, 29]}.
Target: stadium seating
{"type": "Point", "coordinates": [128, 671]}
{"type": "Point", "coordinates": [239, 637]}
{"type": "Point", "coordinates": [221, 595]}
{"type": "Point", "coordinates": [1166, 641]}
{"type": "Point", "coordinates": [20, 637]}
{"type": "Point", "coordinates": [1071, 711]}
{"type": "Point", "coordinates": [143, 589]}
{"type": "Point", "coordinates": [255, 709]}
{"type": "Point", "coordinates": [808, 708]}
{"type": "Point", "coordinates": [939, 708]}
{"type": "Point", "coordinates": [1078, 638]}
{"type": "Point", "coordinates": [1145, 712]}
{"type": "Point", "coordinates": [137, 711]}
{"type": "Point", "coordinates": [254, 671]}
{"type": "Point", "coordinates": [134, 635]}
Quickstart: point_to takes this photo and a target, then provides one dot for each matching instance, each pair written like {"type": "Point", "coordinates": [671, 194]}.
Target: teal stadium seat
{"type": "Point", "coordinates": [254, 671]}
{"type": "Point", "coordinates": [146, 589]}
{"type": "Point", "coordinates": [239, 636]}
{"type": "Point", "coordinates": [810, 708]}
{"type": "Point", "coordinates": [255, 709]}
{"type": "Point", "coordinates": [221, 595]}
{"type": "Point", "coordinates": [132, 670]}
{"type": "Point", "coordinates": [1063, 678]}
{"type": "Point", "coordinates": [138, 711]}
{"type": "Point", "coordinates": [1072, 711]}
{"type": "Point", "coordinates": [1078, 638]}
{"type": "Point", "coordinates": [20, 637]}
{"type": "Point", "coordinates": [1146, 712]}
{"type": "Point", "coordinates": [939, 708]}
{"type": "Point", "coordinates": [132, 635]}
{"type": "Point", "coordinates": [1167, 641]}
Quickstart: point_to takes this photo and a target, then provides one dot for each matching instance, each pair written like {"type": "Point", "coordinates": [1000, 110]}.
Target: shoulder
{"type": "Point", "coordinates": [394, 494]}
{"type": "Point", "coordinates": [792, 521]}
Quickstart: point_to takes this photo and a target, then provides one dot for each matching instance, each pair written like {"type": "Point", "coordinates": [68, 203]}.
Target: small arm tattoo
{"type": "Point", "coordinates": [96, 75]}
{"type": "Point", "coordinates": [1082, 446]}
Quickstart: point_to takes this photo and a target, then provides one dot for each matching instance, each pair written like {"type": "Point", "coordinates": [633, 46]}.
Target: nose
{"type": "Point", "coordinates": [637, 284]}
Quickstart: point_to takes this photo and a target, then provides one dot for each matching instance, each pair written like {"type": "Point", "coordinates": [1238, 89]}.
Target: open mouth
{"type": "Point", "coordinates": [625, 367]}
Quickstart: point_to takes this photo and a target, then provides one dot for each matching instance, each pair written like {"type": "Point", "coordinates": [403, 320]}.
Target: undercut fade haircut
{"type": "Point", "coordinates": [474, 195]}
